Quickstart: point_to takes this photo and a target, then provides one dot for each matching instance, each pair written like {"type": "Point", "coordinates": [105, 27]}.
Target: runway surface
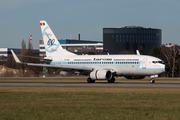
{"type": "Point", "coordinates": [84, 84]}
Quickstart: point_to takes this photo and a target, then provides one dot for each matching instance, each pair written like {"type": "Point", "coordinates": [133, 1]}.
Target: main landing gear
{"type": "Point", "coordinates": [152, 81]}
{"type": "Point", "coordinates": [112, 80]}
{"type": "Point", "coordinates": [89, 80]}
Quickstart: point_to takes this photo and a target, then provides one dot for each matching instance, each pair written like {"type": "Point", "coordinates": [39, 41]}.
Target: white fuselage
{"type": "Point", "coordinates": [126, 65]}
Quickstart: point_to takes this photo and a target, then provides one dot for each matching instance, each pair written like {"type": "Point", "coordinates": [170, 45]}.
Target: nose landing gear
{"type": "Point", "coordinates": [152, 81]}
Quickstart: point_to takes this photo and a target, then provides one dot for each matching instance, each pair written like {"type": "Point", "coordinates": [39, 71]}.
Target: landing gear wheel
{"type": "Point", "coordinates": [112, 80]}
{"type": "Point", "coordinates": [152, 81]}
{"type": "Point", "coordinates": [89, 80]}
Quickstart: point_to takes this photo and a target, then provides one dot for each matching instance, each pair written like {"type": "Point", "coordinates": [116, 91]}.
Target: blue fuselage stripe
{"type": "Point", "coordinates": [103, 63]}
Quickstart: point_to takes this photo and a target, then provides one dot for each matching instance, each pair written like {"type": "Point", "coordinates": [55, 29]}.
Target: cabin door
{"type": "Point", "coordinates": [144, 64]}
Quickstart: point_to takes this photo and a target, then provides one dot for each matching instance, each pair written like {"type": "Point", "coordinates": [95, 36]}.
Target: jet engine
{"type": "Point", "coordinates": [101, 75]}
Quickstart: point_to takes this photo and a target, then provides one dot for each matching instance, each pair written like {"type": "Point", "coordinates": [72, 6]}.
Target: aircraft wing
{"type": "Point", "coordinates": [48, 65]}
{"type": "Point", "coordinates": [60, 66]}
{"type": "Point", "coordinates": [36, 57]}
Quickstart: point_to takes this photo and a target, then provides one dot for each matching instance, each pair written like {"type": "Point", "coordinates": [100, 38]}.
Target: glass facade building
{"type": "Point", "coordinates": [130, 38]}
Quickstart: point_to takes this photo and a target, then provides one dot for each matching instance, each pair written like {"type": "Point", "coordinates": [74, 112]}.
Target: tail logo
{"type": "Point", "coordinates": [50, 45]}
{"type": "Point", "coordinates": [50, 42]}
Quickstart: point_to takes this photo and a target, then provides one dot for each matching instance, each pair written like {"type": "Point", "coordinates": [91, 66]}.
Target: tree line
{"type": "Point", "coordinates": [23, 56]}
{"type": "Point", "coordinates": [26, 54]}
{"type": "Point", "coordinates": [171, 56]}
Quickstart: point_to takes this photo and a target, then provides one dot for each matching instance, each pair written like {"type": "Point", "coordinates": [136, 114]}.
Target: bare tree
{"type": "Point", "coordinates": [156, 52]}
{"type": "Point", "coordinates": [23, 49]}
{"type": "Point", "coordinates": [30, 52]}
{"type": "Point", "coordinates": [142, 50]}
{"type": "Point", "coordinates": [175, 50]}
{"type": "Point", "coordinates": [170, 56]}
{"type": "Point", "coordinates": [23, 53]}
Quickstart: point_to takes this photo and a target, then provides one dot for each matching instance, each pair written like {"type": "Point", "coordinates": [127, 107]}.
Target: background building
{"type": "Point", "coordinates": [7, 51]}
{"type": "Point", "coordinates": [75, 46]}
{"type": "Point", "coordinates": [130, 38]}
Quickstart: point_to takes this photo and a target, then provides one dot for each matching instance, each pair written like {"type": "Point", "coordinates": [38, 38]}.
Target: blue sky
{"type": "Point", "coordinates": [20, 18]}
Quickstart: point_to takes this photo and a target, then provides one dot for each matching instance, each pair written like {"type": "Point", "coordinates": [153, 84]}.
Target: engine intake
{"type": "Point", "coordinates": [101, 75]}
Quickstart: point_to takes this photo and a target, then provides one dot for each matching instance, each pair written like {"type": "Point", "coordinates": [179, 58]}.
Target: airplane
{"type": "Point", "coordinates": [97, 67]}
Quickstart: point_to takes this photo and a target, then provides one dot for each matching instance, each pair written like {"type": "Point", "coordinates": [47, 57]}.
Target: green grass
{"type": "Point", "coordinates": [82, 103]}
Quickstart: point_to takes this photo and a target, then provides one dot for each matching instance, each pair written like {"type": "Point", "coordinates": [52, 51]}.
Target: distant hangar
{"type": "Point", "coordinates": [75, 46]}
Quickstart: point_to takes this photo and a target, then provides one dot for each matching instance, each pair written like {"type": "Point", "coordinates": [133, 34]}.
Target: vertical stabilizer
{"type": "Point", "coordinates": [51, 44]}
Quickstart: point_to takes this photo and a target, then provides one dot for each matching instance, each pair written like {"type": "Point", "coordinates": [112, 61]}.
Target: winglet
{"type": "Point", "coordinates": [15, 57]}
{"type": "Point", "coordinates": [137, 51]}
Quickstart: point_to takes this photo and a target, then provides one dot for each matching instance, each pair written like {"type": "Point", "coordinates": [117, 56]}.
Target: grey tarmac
{"type": "Point", "coordinates": [97, 84]}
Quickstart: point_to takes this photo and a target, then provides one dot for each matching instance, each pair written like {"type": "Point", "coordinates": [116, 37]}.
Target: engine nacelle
{"type": "Point", "coordinates": [101, 75]}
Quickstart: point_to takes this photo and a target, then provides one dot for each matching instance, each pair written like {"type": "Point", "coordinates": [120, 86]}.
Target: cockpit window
{"type": "Point", "coordinates": [158, 62]}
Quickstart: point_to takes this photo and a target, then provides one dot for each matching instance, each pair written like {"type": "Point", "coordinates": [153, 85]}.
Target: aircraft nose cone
{"type": "Point", "coordinates": [167, 68]}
